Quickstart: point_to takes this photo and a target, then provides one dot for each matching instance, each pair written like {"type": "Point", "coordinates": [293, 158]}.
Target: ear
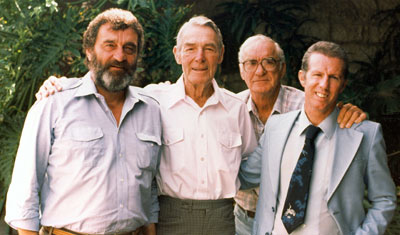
{"type": "Point", "coordinates": [177, 55]}
{"type": "Point", "coordinates": [302, 78]}
{"type": "Point", "coordinates": [241, 71]}
{"type": "Point", "coordinates": [343, 86]}
{"type": "Point", "coordinates": [283, 70]}
{"type": "Point", "coordinates": [89, 54]}
{"type": "Point", "coordinates": [221, 55]}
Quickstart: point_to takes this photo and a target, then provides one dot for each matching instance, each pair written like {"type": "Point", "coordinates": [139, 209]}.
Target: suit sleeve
{"type": "Point", "coordinates": [380, 186]}
{"type": "Point", "coordinates": [250, 168]}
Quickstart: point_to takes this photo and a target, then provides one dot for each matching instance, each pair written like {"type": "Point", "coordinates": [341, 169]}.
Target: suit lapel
{"type": "Point", "coordinates": [277, 137]}
{"type": "Point", "coordinates": [347, 143]}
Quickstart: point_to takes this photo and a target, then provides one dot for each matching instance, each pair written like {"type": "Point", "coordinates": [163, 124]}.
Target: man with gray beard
{"type": "Point", "coordinates": [88, 155]}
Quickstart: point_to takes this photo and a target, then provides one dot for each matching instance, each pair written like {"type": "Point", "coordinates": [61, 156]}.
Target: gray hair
{"type": "Point", "coordinates": [260, 37]}
{"type": "Point", "coordinates": [200, 21]}
{"type": "Point", "coordinates": [329, 49]}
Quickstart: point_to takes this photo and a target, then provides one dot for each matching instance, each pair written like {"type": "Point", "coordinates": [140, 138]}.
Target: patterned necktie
{"type": "Point", "coordinates": [294, 210]}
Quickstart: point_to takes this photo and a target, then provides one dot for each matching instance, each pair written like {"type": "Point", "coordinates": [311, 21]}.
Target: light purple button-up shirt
{"type": "Point", "coordinates": [77, 169]}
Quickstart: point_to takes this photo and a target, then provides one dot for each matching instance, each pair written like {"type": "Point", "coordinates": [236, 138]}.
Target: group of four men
{"type": "Point", "coordinates": [103, 157]}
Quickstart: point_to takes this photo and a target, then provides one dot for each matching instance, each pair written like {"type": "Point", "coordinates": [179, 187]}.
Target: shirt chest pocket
{"type": "Point", "coordinates": [230, 144]}
{"type": "Point", "coordinates": [229, 141]}
{"type": "Point", "coordinates": [82, 145]}
{"type": "Point", "coordinates": [174, 150]}
{"type": "Point", "coordinates": [148, 148]}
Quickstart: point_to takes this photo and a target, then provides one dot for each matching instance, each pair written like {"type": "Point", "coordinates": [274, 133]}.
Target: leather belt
{"type": "Point", "coordinates": [250, 214]}
{"type": "Point", "coordinates": [63, 231]}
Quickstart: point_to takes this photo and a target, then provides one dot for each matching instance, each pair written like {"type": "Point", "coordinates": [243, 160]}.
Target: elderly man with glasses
{"type": "Point", "coordinates": [262, 66]}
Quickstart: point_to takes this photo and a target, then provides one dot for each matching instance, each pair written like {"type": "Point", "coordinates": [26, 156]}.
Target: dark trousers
{"type": "Point", "coordinates": [195, 217]}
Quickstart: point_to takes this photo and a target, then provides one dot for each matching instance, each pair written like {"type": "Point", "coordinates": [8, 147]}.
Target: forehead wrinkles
{"type": "Point", "coordinates": [196, 34]}
{"type": "Point", "coordinates": [259, 50]}
{"type": "Point", "coordinates": [108, 34]}
{"type": "Point", "coordinates": [323, 63]}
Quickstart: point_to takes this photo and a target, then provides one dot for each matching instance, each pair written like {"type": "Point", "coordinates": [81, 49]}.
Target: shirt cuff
{"type": "Point", "coordinates": [153, 219]}
{"type": "Point", "coordinates": [27, 224]}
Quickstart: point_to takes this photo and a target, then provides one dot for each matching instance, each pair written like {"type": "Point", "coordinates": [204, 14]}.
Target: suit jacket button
{"type": "Point", "coordinates": [273, 209]}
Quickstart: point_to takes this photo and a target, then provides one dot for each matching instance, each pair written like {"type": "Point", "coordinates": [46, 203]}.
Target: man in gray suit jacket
{"type": "Point", "coordinates": [346, 162]}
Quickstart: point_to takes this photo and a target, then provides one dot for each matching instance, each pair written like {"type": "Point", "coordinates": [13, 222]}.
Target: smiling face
{"type": "Point", "coordinates": [199, 54]}
{"type": "Point", "coordinates": [260, 81]}
{"type": "Point", "coordinates": [113, 58]}
{"type": "Point", "coordinates": [323, 82]}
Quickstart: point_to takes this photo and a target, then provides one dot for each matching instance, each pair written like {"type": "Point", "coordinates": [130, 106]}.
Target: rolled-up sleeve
{"type": "Point", "coordinates": [22, 207]}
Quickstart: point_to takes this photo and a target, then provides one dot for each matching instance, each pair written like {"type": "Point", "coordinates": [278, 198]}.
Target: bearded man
{"type": "Point", "coordinates": [88, 156]}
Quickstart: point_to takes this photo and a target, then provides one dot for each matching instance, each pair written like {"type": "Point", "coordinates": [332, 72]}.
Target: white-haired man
{"type": "Point", "coordinates": [262, 67]}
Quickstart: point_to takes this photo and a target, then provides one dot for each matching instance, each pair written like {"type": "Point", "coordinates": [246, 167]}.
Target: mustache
{"type": "Point", "coordinates": [122, 64]}
{"type": "Point", "coordinates": [128, 68]}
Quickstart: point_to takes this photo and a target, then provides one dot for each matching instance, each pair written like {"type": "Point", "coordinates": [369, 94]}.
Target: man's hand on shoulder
{"type": "Point", "coordinates": [49, 87]}
{"type": "Point", "coordinates": [350, 114]}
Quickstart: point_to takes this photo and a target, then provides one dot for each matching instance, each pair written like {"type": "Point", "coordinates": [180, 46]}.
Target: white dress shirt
{"type": "Point", "coordinates": [318, 220]}
{"type": "Point", "coordinates": [202, 146]}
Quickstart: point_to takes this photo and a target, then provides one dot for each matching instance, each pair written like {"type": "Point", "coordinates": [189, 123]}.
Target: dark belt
{"type": "Point", "coordinates": [250, 214]}
{"type": "Point", "coordinates": [63, 231]}
{"type": "Point", "coordinates": [195, 204]}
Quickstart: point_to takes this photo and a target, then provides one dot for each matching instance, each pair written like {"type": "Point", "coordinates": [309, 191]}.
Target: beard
{"type": "Point", "coordinates": [112, 81]}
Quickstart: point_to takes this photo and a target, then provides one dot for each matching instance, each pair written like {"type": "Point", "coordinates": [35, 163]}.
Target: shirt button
{"type": "Point", "coordinates": [202, 136]}
{"type": "Point", "coordinates": [202, 159]}
{"type": "Point", "coordinates": [120, 155]}
{"type": "Point", "coordinates": [122, 180]}
{"type": "Point", "coordinates": [202, 181]}
{"type": "Point", "coordinates": [120, 205]}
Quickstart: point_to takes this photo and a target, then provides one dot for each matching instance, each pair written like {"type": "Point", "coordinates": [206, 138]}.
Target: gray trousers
{"type": "Point", "coordinates": [195, 217]}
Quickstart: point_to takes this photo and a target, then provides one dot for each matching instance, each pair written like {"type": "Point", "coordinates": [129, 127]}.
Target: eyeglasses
{"type": "Point", "coordinates": [268, 64]}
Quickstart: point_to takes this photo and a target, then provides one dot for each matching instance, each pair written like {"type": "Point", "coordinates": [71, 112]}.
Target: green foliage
{"type": "Point", "coordinates": [38, 39]}
{"type": "Point", "coordinates": [161, 21]}
{"type": "Point", "coordinates": [43, 38]}
{"type": "Point", "coordinates": [375, 86]}
{"type": "Point", "coordinates": [277, 19]}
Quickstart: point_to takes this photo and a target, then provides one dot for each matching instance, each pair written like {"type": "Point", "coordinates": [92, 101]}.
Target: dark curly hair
{"type": "Point", "coordinates": [119, 19]}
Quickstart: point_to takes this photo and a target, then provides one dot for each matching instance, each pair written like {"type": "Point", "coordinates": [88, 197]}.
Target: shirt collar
{"type": "Point", "coordinates": [278, 106]}
{"type": "Point", "coordinates": [178, 94]}
{"type": "Point", "coordinates": [328, 125]}
{"type": "Point", "coordinates": [87, 87]}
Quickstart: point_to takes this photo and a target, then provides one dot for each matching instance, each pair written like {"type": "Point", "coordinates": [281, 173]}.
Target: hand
{"type": "Point", "coordinates": [26, 232]}
{"type": "Point", "coordinates": [149, 229]}
{"type": "Point", "coordinates": [165, 83]}
{"type": "Point", "coordinates": [349, 114]}
{"type": "Point", "coordinates": [49, 87]}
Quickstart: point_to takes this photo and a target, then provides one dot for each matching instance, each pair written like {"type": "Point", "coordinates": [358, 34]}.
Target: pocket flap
{"type": "Point", "coordinates": [85, 133]}
{"type": "Point", "coordinates": [147, 137]}
{"type": "Point", "coordinates": [230, 139]}
{"type": "Point", "coordinates": [172, 136]}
